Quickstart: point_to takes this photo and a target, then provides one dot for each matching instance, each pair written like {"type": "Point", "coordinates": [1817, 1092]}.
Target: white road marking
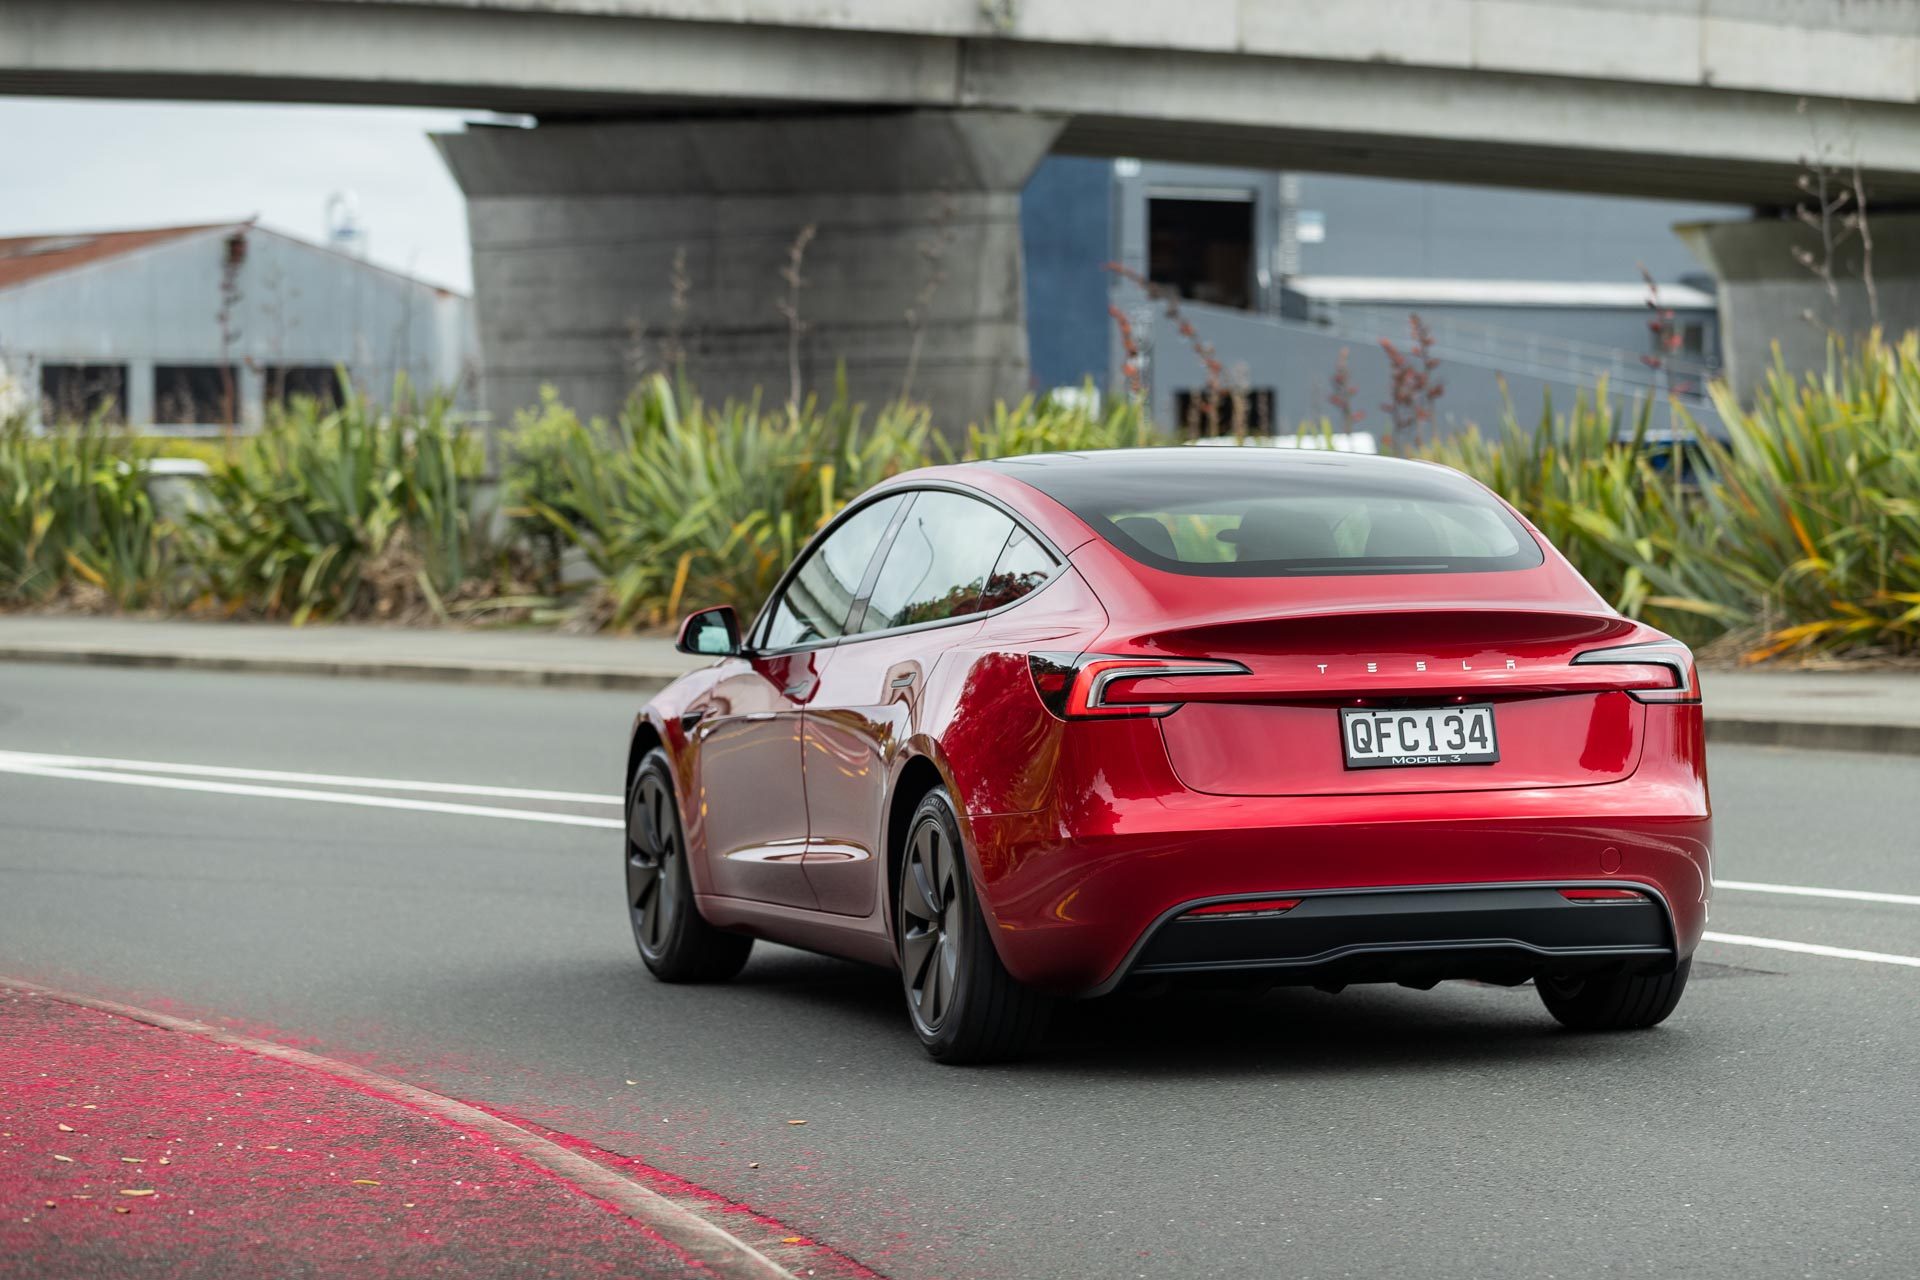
{"type": "Point", "coordinates": [147, 773]}
{"type": "Point", "coordinates": [295, 793]}
{"type": "Point", "coordinates": [1851, 895]}
{"type": "Point", "coordinates": [1811, 949]}
{"type": "Point", "coordinates": [318, 779]}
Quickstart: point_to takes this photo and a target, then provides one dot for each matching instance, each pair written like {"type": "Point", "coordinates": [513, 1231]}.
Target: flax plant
{"type": "Point", "coordinates": [77, 523]}
{"type": "Point", "coordinates": [347, 512]}
{"type": "Point", "coordinates": [1815, 507]}
{"type": "Point", "coordinates": [1588, 480]}
{"type": "Point", "coordinates": [680, 501]}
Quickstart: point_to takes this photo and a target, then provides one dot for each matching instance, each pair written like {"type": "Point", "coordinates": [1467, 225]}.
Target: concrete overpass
{"type": "Point", "coordinates": [903, 129]}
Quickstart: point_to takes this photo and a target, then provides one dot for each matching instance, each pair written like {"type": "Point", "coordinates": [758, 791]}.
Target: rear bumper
{"type": "Point", "coordinates": [1081, 895]}
{"type": "Point", "coordinates": [1420, 936]}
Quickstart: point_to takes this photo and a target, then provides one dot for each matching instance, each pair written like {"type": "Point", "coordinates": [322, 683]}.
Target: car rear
{"type": "Point", "coordinates": [1350, 719]}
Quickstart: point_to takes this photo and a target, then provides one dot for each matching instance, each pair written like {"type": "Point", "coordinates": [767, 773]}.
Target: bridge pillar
{"type": "Point", "coordinates": [601, 249]}
{"type": "Point", "coordinates": [1768, 295]}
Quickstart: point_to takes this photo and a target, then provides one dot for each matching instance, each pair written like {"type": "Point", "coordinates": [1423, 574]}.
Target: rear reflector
{"type": "Point", "coordinates": [1603, 895]}
{"type": "Point", "coordinates": [1248, 907]}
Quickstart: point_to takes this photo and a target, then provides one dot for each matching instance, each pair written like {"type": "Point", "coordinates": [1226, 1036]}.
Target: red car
{"type": "Point", "coordinates": [1042, 726]}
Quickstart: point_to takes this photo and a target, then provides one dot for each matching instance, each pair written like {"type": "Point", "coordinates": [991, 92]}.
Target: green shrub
{"type": "Point", "coordinates": [77, 523]}
{"type": "Point", "coordinates": [1060, 424]}
{"type": "Point", "coordinates": [1814, 514]}
{"type": "Point", "coordinates": [1588, 480]}
{"type": "Point", "coordinates": [351, 512]}
{"type": "Point", "coordinates": [679, 501]}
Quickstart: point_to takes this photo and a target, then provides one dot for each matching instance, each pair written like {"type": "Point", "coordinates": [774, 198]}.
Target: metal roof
{"type": "Point", "coordinates": [25, 258]}
{"type": "Point", "coordinates": [1495, 293]}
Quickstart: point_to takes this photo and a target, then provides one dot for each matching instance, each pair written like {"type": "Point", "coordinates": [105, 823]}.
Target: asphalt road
{"type": "Point", "coordinates": [1771, 1127]}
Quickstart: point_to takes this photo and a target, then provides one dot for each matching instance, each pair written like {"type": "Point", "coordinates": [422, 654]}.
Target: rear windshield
{"type": "Point", "coordinates": [1258, 516]}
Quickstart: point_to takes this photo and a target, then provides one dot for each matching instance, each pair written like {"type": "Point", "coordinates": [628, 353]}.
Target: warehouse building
{"type": "Point", "coordinates": [1285, 277]}
{"type": "Point", "coordinates": [200, 329]}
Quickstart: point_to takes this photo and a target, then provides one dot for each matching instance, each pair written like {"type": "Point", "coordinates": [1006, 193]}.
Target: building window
{"type": "Point", "coordinates": [320, 382]}
{"type": "Point", "coordinates": [81, 392]}
{"type": "Point", "coordinates": [1203, 247]}
{"type": "Point", "coordinates": [188, 395]}
{"type": "Point", "coordinates": [1203, 413]}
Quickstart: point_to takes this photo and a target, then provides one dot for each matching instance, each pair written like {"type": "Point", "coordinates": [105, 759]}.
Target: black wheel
{"type": "Point", "coordinates": [964, 1004]}
{"type": "Point", "coordinates": [1614, 1002]}
{"type": "Point", "coordinates": [676, 943]}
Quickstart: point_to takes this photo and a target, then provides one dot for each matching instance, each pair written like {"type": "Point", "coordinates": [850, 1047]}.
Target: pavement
{"type": "Point", "coordinates": [1866, 710]}
{"type": "Point", "coordinates": [480, 952]}
{"type": "Point", "coordinates": [129, 1150]}
{"type": "Point", "coordinates": [511, 656]}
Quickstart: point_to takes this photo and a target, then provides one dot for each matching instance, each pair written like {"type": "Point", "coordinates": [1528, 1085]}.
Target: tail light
{"type": "Point", "coordinates": [1671, 657]}
{"type": "Point", "coordinates": [1094, 685]}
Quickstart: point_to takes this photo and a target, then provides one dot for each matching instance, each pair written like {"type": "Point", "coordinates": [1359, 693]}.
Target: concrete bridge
{"type": "Point", "coordinates": [709, 132]}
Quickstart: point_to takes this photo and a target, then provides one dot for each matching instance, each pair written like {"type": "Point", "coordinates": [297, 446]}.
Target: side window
{"type": "Point", "coordinates": [815, 604]}
{"type": "Point", "coordinates": [939, 562]}
{"type": "Point", "coordinates": [1023, 565]}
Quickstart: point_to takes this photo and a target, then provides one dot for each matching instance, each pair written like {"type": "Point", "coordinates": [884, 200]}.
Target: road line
{"type": "Point", "coordinates": [1850, 895]}
{"type": "Point", "coordinates": [1811, 949]}
{"type": "Point", "coordinates": [126, 772]}
{"type": "Point", "coordinates": [705, 1242]}
{"type": "Point", "coordinates": [323, 797]}
{"type": "Point", "coordinates": [321, 779]}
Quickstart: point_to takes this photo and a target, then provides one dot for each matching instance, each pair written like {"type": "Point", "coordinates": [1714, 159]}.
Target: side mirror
{"type": "Point", "coordinates": [710, 633]}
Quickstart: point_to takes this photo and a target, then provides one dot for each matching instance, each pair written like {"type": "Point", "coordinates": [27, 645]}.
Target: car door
{"type": "Point", "coordinates": [937, 577]}
{"type": "Point", "coordinates": [752, 809]}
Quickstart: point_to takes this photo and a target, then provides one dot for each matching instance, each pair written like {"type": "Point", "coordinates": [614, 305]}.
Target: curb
{"type": "Point", "coordinates": [647, 682]}
{"type": "Point", "coordinates": [686, 1227]}
{"type": "Point", "coordinates": [1809, 735]}
{"type": "Point", "coordinates": [1816, 735]}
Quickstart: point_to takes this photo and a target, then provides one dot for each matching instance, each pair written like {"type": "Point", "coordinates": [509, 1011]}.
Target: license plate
{"type": "Point", "coordinates": [1418, 736]}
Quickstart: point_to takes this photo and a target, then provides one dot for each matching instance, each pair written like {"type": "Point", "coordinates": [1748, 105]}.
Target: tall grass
{"type": "Point", "coordinates": [348, 512]}
{"type": "Point", "coordinates": [1798, 535]}
{"type": "Point", "coordinates": [1615, 504]}
{"type": "Point", "coordinates": [1059, 423]}
{"type": "Point", "coordinates": [1801, 538]}
{"type": "Point", "coordinates": [77, 524]}
{"type": "Point", "coordinates": [1813, 517]}
{"type": "Point", "coordinates": [681, 501]}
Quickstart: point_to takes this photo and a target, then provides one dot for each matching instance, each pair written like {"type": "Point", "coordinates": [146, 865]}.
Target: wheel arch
{"type": "Point", "coordinates": [645, 737]}
{"type": "Point", "coordinates": [918, 776]}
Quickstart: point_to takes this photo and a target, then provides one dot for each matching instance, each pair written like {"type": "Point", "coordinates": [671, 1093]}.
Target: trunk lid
{"type": "Point", "coordinates": [1277, 729]}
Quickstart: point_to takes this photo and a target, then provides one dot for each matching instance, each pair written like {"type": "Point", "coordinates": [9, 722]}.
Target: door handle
{"type": "Point", "coordinates": [688, 719]}
{"type": "Point", "coordinates": [800, 690]}
{"type": "Point", "coordinates": [902, 681]}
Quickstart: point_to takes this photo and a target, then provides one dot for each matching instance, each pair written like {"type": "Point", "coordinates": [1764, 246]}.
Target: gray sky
{"type": "Point", "coordinates": [75, 164]}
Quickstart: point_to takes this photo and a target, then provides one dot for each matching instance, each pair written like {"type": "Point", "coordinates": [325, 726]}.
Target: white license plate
{"type": "Point", "coordinates": [1422, 735]}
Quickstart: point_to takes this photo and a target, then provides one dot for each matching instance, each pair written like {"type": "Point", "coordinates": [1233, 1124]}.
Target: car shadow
{"type": "Point", "coordinates": [789, 1003]}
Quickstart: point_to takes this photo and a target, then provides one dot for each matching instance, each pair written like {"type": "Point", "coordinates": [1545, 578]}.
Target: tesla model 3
{"type": "Point", "coordinates": [1043, 727]}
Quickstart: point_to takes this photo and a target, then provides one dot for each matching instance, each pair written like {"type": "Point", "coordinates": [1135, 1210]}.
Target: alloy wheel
{"type": "Point", "coordinates": [655, 864]}
{"type": "Point", "coordinates": [931, 923]}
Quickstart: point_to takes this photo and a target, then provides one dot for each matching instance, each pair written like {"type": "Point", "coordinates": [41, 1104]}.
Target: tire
{"type": "Point", "coordinates": [675, 941]}
{"type": "Point", "coordinates": [964, 1005]}
{"type": "Point", "coordinates": [1614, 1002]}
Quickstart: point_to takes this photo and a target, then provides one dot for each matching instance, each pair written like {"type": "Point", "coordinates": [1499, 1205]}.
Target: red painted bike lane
{"type": "Point", "coordinates": [128, 1150]}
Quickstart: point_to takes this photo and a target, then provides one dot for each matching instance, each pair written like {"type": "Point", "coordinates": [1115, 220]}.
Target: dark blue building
{"type": "Point", "coordinates": [1522, 292]}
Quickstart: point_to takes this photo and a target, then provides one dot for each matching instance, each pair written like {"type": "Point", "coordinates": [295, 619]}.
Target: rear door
{"type": "Point", "coordinates": [750, 757]}
{"type": "Point", "coordinates": [949, 563]}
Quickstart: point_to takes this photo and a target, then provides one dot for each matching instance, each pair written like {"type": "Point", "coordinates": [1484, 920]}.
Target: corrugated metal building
{"type": "Point", "coordinates": [189, 330]}
{"type": "Point", "coordinates": [1285, 275]}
